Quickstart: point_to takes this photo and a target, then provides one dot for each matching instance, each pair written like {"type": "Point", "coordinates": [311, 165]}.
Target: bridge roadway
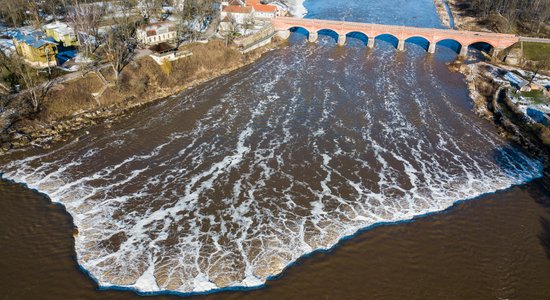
{"type": "Point", "coordinates": [498, 41]}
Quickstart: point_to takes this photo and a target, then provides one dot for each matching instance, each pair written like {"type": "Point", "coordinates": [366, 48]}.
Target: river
{"type": "Point", "coordinates": [227, 184]}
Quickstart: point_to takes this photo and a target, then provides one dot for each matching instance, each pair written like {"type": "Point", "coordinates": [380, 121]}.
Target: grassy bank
{"type": "Point", "coordinates": [71, 106]}
{"type": "Point", "coordinates": [536, 51]}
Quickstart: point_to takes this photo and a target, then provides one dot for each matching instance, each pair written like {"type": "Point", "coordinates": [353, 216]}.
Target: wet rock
{"type": "Point", "coordinates": [6, 146]}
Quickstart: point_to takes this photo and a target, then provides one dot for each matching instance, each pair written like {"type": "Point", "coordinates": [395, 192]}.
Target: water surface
{"type": "Point", "coordinates": [227, 184]}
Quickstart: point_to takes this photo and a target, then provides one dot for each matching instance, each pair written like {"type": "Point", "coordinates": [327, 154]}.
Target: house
{"type": "Point", "coordinates": [61, 33]}
{"type": "Point", "coordinates": [237, 12]}
{"type": "Point", "coordinates": [153, 34]}
{"type": "Point", "coordinates": [516, 81]}
{"type": "Point", "coordinates": [262, 11]}
{"type": "Point", "coordinates": [36, 49]}
{"type": "Point", "coordinates": [163, 52]}
{"type": "Point", "coordinates": [242, 10]}
{"type": "Point", "coordinates": [535, 87]}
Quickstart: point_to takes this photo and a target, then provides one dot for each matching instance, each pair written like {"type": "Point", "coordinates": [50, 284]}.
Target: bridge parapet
{"type": "Point", "coordinates": [402, 33]}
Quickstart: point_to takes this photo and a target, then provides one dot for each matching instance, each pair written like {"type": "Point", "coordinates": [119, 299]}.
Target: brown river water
{"type": "Point", "coordinates": [231, 186]}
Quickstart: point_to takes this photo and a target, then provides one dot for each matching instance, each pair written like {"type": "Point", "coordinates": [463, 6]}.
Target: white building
{"type": "Point", "coordinates": [157, 33]}
{"type": "Point", "coordinates": [265, 11]}
{"type": "Point", "coordinates": [237, 12]}
{"type": "Point", "coordinates": [241, 10]}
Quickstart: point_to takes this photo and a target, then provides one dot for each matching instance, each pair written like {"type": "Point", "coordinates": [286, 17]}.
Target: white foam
{"type": "Point", "coordinates": [147, 281]}
{"type": "Point", "coordinates": [297, 8]}
{"type": "Point", "coordinates": [262, 179]}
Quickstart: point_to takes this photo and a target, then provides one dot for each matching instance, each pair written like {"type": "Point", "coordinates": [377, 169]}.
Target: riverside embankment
{"type": "Point", "coordinates": [69, 107]}
{"type": "Point", "coordinates": [492, 102]}
{"type": "Point", "coordinates": [444, 12]}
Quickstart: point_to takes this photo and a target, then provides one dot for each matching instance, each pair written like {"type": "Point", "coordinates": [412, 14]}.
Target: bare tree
{"type": "Point", "coordinates": [231, 31]}
{"type": "Point", "coordinates": [195, 15]}
{"type": "Point", "coordinates": [538, 66]}
{"type": "Point", "coordinates": [55, 8]}
{"type": "Point", "coordinates": [34, 9]}
{"type": "Point", "coordinates": [21, 73]}
{"type": "Point", "coordinates": [13, 12]}
{"type": "Point", "coordinates": [151, 8]}
{"type": "Point", "coordinates": [183, 18]}
{"type": "Point", "coordinates": [248, 23]}
{"type": "Point", "coordinates": [120, 41]}
{"type": "Point", "coordinates": [85, 17]}
{"type": "Point", "coordinates": [532, 14]}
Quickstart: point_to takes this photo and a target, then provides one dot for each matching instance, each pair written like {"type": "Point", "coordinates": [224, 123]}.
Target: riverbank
{"type": "Point", "coordinates": [227, 163]}
{"type": "Point", "coordinates": [468, 18]}
{"type": "Point", "coordinates": [462, 20]}
{"type": "Point", "coordinates": [430, 257]}
{"type": "Point", "coordinates": [71, 107]}
{"type": "Point", "coordinates": [443, 13]}
{"type": "Point", "coordinates": [491, 102]}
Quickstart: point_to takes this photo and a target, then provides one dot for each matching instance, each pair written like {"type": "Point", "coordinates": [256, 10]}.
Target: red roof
{"type": "Point", "coordinates": [237, 9]}
{"type": "Point", "coordinates": [258, 6]}
{"type": "Point", "coordinates": [250, 4]}
{"type": "Point", "coordinates": [265, 8]}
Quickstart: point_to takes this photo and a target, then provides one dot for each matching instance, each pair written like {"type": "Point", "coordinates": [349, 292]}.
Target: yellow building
{"type": "Point", "coordinates": [61, 33]}
{"type": "Point", "coordinates": [37, 50]}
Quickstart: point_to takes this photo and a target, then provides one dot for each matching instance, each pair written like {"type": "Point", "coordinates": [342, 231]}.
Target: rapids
{"type": "Point", "coordinates": [228, 183]}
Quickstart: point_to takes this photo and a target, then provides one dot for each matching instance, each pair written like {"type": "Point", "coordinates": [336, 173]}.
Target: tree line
{"type": "Point", "coordinates": [522, 15]}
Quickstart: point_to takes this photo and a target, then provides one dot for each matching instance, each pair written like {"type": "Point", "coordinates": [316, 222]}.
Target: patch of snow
{"type": "Point", "coordinates": [296, 8]}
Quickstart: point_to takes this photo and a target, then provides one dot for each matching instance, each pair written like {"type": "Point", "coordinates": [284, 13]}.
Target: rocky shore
{"type": "Point", "coordinates": [491, 102]}
{"type": "Point", "coordinates": [59, 122]}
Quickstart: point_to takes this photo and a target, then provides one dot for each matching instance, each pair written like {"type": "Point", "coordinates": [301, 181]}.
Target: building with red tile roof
{"type": "Point", "coordinates": [240, 10]}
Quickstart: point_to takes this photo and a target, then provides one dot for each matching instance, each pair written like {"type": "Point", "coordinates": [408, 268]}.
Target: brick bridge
{"type": "Point", "coordinates": [465, 38]}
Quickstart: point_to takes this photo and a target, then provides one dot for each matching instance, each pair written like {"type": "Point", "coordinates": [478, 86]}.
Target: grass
{"type": "Point", "coordinates": [537, 96]}
{"type": "Point", "coordinates": [72, 96]}
{"type": "Point", "coordinates": [533, 94]}
{"type": "Point", "coordinates": [536, 51]}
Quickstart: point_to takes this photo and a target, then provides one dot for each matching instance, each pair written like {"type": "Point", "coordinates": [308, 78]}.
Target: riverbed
{"type": "Point", "coordinates": [226, 185]}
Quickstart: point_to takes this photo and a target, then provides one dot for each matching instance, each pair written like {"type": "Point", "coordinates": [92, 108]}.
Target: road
{"type": "Point", "coordinates": [534, 40]}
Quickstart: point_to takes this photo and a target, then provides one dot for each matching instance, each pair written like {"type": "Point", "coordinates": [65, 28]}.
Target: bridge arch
{"type": "Point", "coordinates": [452, 44]}
{"type": "Point", "coordinates": [363, 37]}
{"type": "Point", "coordinates": [483, 47]}
{"type": "Point", "coordinates": [330, 33]}
{"type": "Point", "coordinates": [300, 30]}
{"type": "Point", "coordinates": [481, 42]}
{"type": "Point", "coordinates": [388, 37]}
{"type": "Point", "coordinates": [419, 40]}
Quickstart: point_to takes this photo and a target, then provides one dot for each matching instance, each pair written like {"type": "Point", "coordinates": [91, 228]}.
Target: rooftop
{"type": "Point", "coordinates": [60, 27]}
{"type": "Point", "coordinates": [249, 6]}
{"type": "Point", "coordinates": [237, 9]}
{"type": "Point", "coordinates": [158, 28]}
{"type": "Point", "coordinates": [264, 8]}
{"type": "Point", "coordinates": [35, 39]}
